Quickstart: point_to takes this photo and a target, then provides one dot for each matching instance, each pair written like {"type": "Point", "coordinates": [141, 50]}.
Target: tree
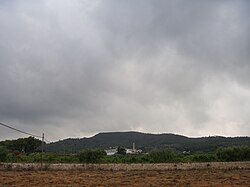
{"type": "Point", "coordinates": [91, 155]}
{"type": "Point", "coordinates": [31, 144]}
{"type": "Point", "coordinates": [3, 154]}
{"type": "Point", "coordinates": [121, 151]}
{"type": "Point", "coordinates": [27, 145]}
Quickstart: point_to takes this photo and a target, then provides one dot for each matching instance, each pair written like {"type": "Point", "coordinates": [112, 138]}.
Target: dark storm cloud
{"type": "Point", "coordinates": [74, 68]}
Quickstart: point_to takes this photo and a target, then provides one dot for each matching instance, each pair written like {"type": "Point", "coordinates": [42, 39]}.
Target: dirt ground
{"type": "Point", "coordinates": [125, 178]}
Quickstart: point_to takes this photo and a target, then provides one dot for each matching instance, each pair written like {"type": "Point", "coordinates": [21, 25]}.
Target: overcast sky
{"type": "Point", "coordinates": [74, 68]}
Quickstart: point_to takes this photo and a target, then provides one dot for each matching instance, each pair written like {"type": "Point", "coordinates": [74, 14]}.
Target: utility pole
{"type": "Point", "coordinates": [64, 151]}
{"type": "Point", "coordinates": [42, 150]}
{"type": "Point", "coordinates": [75, 148]}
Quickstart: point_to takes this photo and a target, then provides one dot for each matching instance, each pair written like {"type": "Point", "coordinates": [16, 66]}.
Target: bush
{"type": "Point", "coordinates": [91, 155]}
{"type": "Point", "coordinates": [202, 157]}
{"type": "Point", "coordinates": [3, 154]}
{"type": "Point", "coordinates": [240, 153]}
{"type": "Point", "coordinates": [163, 155]}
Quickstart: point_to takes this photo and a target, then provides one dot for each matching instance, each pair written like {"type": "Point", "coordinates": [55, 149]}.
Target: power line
{"type": "Point", "coordinates": [27, 133]}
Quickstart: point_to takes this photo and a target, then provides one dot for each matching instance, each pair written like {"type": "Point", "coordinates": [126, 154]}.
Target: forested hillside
{"type": "Point", "coordinates": [146, 142]}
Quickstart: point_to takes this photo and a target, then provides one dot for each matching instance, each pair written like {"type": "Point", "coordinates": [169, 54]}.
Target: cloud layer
{"type": "Point", "coordinates": [76, 68]}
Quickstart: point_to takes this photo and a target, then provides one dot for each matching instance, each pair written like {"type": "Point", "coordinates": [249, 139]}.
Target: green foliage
{"type": "Point", "coordinates": [11, 151]}
{"type": "Point", "coordinates": [16, 157]}
{"type": "Point", "coordinates": [47, 157]}
{"type": "Point", "coordinates": [3, 154]}
{"type": "Point", "coordinates": [26, 145]}
{"type": "Point", "coordinates": [91, 155]}
{"type": "Point", "coordinates": [31, 144]}
{"type": "Point", "coordinates": [126, 159]}
{"type": "Point", "coordinates": [201, 157]}
{"type": "Point", "coordinates": [240, 153]}
{"type": "Point", "coordinates": [163, 155]}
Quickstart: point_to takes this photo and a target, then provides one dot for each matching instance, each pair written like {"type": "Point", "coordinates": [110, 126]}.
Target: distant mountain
{"type": "Point", "coordinates": [146, 142]}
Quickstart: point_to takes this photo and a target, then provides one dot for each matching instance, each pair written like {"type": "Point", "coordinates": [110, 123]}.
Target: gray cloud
{"type": "Point", "coordinates": [75, 68]}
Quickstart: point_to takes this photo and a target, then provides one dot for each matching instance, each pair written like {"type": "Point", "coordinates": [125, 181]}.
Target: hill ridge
{"type": "Point", "coordinates": [146, 142]}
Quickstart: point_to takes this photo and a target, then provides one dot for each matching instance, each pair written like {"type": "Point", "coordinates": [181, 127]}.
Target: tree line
{"type": "Point", "coordinates": [226, 154]}
{"type": "Point", "coordinates": [29, 150]}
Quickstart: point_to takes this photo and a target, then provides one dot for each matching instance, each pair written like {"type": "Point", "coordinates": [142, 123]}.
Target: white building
{"type": "Point", "coordinates": [111, 151]}
{"type": "Point", "coordinates": [133, 150]}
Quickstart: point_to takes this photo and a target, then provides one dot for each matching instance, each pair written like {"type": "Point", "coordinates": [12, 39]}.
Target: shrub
{"type": "Point", "coordinates": [163, 155]}
{"type": "Point", "coordinates": [240, 153]}
{"type": "Point", "coordinates": [91, 155]}
{"type": "Point", "coordinates": [203, 157]}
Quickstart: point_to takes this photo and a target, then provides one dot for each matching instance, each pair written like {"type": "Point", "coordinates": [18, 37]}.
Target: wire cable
{"type": "Point", "coordinates": [27, 133]}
